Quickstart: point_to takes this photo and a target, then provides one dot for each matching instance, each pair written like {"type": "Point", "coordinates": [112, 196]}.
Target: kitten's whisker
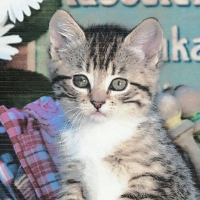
{"type": "Point", "coordinates": [66, 112]}
{"type": "Point", "coordinates": [78, 122]}
{"type": "Point", "coordinates": [82, 121]}
{"type": "Point", "coordinates": [76, 117]}
{"type": "Point", "coordinates": [73, 119]}
{"type": "Point", "coordinates": [71, 110]}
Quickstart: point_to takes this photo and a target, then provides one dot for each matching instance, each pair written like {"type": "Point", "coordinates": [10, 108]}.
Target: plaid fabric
{"type": "Point", "coordinates": [8, 171]}
{"type": "Point", "coordinates": [24, 186]}
{"type": "Point", "coordinates": [32, 133]}
{"type": "Point", "coordinates": [9, 167]}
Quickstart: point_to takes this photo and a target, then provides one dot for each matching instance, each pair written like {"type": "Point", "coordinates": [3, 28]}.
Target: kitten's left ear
{"type": "Point", "coordinates": [146, 40]}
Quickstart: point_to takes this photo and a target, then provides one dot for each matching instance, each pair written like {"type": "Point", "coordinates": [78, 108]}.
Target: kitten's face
{"type": "Point", "coordinates": [103, 72]}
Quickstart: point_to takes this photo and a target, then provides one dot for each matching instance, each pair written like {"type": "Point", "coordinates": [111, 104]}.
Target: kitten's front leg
{"type": "Point", "coordinates": [71, 186]}
{"type": "Point", "coordinates": [71, 190]}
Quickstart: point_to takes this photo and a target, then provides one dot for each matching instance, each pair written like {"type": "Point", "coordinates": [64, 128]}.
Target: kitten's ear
{"type": "Point", "coordinates": [64, 30]}
{"type": "Point", "coordinates": [146, 40]}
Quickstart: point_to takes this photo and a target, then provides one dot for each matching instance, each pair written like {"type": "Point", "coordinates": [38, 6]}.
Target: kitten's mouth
{"type": "Point", "coordinates": [97, 113]}
{"type": "Point", "coordinates": [98, 116]}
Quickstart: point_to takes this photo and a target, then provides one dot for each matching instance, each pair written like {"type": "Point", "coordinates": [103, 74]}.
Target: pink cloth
{"type": "Point", "coordinates": [32, 132]}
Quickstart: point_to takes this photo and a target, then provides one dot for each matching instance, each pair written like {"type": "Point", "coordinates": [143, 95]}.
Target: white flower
{"type": "Point", "coordinates": [17, 8]}
{"type": "Point", "coordinates": [6, 51]}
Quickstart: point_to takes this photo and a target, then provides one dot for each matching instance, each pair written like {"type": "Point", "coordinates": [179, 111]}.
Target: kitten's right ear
{"type": "Point", "coordinates": [145, 40]}
{"type": "Point", "coordinates": [64, 30]}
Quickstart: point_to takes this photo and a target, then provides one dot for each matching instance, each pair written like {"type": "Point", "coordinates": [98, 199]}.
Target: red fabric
{"type": "Point", "coordinates": [32, 132]}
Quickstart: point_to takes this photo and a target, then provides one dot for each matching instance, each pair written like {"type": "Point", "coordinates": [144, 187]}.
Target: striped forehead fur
{"type": "Point", "coordinates": [104, 40]}
{"type": "Point", "coordinates": [100, 48]}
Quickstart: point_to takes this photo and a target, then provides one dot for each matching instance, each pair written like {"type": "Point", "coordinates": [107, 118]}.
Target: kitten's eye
{"type": "Point", "coordinates": [81, 81]}
{"type": "Point", "coordinates": [118, 84]}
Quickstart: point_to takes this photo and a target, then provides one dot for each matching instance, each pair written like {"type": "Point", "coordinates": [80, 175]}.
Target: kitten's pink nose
{"type": "Point", "coordinates": [97, 104]}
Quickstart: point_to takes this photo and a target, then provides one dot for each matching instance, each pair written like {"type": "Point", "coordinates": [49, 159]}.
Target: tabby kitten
{"type": "Point", "coordinates": [105, 78]}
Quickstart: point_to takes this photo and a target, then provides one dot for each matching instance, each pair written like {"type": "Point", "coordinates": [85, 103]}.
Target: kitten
{"type": "Point", "coordinates": [116, 149]}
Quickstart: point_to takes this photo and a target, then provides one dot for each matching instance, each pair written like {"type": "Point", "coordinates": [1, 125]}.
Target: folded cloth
{"type": "Point", "coordinates": [32, 132]}
{"type": "Point", "coordinates": [23, 184]}
{"type": "Point", "coordinates": [7, 177]}
{"type": "Point", "coordinates": [11, 171]}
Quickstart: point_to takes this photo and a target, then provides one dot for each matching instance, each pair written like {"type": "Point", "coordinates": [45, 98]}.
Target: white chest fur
{"type": "Point", "coordinates": [102, 183]}
{"type": "Point", "coordinates": [93, 143]}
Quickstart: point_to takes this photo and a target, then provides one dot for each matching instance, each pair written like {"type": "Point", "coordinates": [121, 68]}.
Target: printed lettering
{"type": "Point", "coordinates": [71, 2]}
{"type": "Point", "coordinates": [196, 2]}
{"type": "Point", "coordinates": [196, 50]}
{"type": "Point", "coordinates": [150, 2]}
{"type": "Point", "coordinates": [165, 2]}
{"type": "Point", "coordinates": [108, 2]}
{"type": "Point", "coordinates": [182, 2]}
{"type": "Point", "coordinates": [132, 2]}
{"type": "Point", "coordinates": [165, 50]}
{"type": "Point", "coordinates": [178, 46]}
{"type": "Point", "coordinates": [88, 2]}
{"type": "Point", "coordinates": [129, 2]}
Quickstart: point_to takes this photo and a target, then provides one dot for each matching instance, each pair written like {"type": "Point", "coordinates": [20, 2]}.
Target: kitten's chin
{"type": "Point", "coordinates": [98, 117]}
